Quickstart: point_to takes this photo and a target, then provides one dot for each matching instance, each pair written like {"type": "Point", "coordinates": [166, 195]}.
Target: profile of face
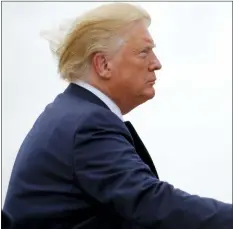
{"type": "Point", "coordinates": [130, 73]}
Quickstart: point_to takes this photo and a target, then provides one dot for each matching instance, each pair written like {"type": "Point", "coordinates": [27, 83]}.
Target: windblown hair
{"type": "Point", "coordinates": [99, 30]}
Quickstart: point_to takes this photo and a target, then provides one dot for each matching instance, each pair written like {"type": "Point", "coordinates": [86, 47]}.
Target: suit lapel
{"type": "Point", "coordinates": [141, 149]}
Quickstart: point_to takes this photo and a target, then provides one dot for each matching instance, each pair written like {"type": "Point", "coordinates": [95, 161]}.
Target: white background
{"type": "Point", "coordinates": [187, 127]}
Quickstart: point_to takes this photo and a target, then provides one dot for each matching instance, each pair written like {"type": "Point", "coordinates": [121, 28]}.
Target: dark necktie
{"type": "Point", "coordinates": [141, 149]}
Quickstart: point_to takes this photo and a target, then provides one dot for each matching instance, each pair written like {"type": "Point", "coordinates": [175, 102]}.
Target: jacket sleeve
{"type": "Point", "coordinates": [108, 169]}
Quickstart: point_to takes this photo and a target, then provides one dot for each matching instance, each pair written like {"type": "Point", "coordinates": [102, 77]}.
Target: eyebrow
{"type": "Point", "coordinates": [152, 46]}
{"type": "Point", "coordinates": [149, 46]}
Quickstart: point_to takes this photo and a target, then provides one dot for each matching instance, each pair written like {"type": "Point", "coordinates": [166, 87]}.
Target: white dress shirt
{"type": "Point", "coordinates": [112, 106]}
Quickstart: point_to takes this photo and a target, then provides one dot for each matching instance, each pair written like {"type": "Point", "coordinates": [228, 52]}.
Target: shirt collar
{"type": "Point", "coordinates": [112, 106]}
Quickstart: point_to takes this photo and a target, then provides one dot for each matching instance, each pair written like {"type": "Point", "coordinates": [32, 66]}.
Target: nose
{"type": "Point", "coordinates": [154, 64]}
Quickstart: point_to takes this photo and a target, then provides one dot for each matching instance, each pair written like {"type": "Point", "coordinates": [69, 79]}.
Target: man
{"type": "Point", "coordinates": [81, 166]}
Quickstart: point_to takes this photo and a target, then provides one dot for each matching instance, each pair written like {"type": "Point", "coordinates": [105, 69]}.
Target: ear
{"type": "Point", "coordinates": [101, 65]}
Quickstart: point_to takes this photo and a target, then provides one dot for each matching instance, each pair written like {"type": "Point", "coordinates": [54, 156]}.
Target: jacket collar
{"type": "Point", "coordinates": [84, 94]}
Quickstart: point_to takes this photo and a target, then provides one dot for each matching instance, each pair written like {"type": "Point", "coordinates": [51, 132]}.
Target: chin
{"type": "Point", "coordinates": [147, 95]}
{"type": "Point", "coordinates": [150, 93]}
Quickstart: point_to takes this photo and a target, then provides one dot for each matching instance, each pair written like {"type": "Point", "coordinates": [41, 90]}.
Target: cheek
{"type": "Point", "coordinates": [130, 74]}
{"type": "Point", "coordinates": [141, 69]}
{"type": "Point", "coordinates": [136, 78]}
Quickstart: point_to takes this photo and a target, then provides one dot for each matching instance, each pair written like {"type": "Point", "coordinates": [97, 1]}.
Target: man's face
{"type": "Point", "coordinates": [132, 69]}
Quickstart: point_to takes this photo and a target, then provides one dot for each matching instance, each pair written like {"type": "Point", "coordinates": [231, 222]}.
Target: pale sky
{"type": "Point", "coordinates": [187, 127]}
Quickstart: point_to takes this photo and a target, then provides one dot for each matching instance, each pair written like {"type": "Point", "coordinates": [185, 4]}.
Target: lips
{"type": "Point", "coordinates": [152, 82]}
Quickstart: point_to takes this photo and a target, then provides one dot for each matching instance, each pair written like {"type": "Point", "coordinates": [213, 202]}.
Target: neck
{"type": "Point", "coordinates": [108, 92]}
{"type": "Point", "coordinates": [111, 93]}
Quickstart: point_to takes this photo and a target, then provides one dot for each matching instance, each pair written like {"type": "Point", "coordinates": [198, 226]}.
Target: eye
{"type": "Point", "coordinates": [144, 52]}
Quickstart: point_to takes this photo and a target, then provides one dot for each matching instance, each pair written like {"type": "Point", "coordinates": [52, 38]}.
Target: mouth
{"type": "Point", "coordinates": [151, 82]}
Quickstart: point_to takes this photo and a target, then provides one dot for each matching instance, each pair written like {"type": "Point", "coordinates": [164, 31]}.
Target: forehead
{"type": "Point", "coordinates": [149, 40]}
{"type": "Point", "coordinates": [140, 35]}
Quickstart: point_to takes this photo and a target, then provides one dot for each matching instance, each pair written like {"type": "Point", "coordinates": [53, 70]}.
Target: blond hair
{"type": "Point", "coordinates": [99, 30]}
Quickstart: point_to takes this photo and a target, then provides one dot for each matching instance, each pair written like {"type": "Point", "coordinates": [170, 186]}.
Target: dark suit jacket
{"type": "Point", "coordinates": [6, 221]}
{"type": "Point", "coordinates": [81, 167]}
